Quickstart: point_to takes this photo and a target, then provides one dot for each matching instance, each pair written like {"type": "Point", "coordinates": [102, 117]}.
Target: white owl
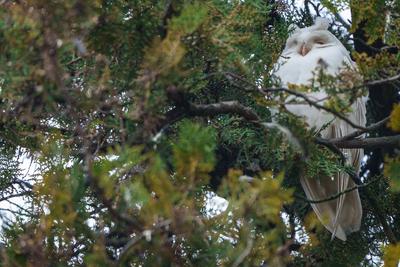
{"type": "Point", "coordinates": [306, 49]}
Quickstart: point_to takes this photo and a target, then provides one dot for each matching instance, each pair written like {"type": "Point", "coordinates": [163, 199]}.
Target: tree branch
{"type": "Point", "coordinates": [344, 142]}
{"type": "Point", "coordinates": [357, 133]}
{"type": "Point", "coordinates": [383, 81]}
{"type": "Point", "coordinates": [335, 196]}
{"type": "Point", "coordinates": [234, 107]}
{"type": "Point", "coordinates": [339, 18]}
{"type": "Point", "coordinates": [242, 256]}
{"type": "Point", "coordinates": [144, 234]}
{"type": "Point", "coordinates": [227, 107]}
{"type": "Point", "coordinates": [373, 142]}
{"type": "Point", "coordinates": [313, 103]}
{"type": "Point", "coordinates": [21, 194]}
{"type": "Point", "coordinates": [94, 182]}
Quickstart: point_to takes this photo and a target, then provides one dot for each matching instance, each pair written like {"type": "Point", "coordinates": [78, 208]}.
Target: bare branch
{"type": "Point", "coordinates": [313, 103]}
{"type": "Point", "coordinates": [342, 21]}
{"type": "Point", "coordinates": [345, 142]}
{"type": "Point", "coordinates": [144, 234]}
{"type": "Point", "coordinates": [385, 48]}
{"type": "Point", "coordinates": [228, 107]}
{"type": "Point", "coordinates": [245, 252]}
{"type": "Point", "coordinates": [234, 107]}
{"type": "Point", "coordinates": [383, 81]}
{"type": "Point", "coordinates": [22, 194]}
{"type": "Point", "coordinates": [94, 182]}
{"type": "Point", "coordinates": [357, 133]}
{"type": "Point", "coordinates": [373, 142]}
{"type": "Point", "coordinates": [23, 184]}
{"type": "Point", "coordinates": [335, 196]}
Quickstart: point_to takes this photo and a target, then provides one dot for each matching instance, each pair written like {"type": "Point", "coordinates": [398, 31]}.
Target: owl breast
{"type": "Point", "coordinates": [296, 69]}
{"type": "Point", "coordinates": [299, 70]}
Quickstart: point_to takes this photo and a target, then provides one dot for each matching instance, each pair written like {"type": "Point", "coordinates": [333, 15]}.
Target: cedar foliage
{"type": "Point", "coordinates": [133, 113]}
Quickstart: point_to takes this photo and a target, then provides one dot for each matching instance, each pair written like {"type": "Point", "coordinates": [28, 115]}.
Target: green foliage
{"type": "Point", "coordinates": [392, 171]}
{"type": "Point", "coordinates": [361, 11]}
{"type": "Point", "coordinates": [323, 163]}
{"type": "Point", "coordinates": [191, 17]}
{"type": "Point", "coordinates": [194, 153]}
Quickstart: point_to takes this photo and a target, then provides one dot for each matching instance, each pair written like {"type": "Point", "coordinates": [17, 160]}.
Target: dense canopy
{"type": "Point", "coordinates": [123, 120]}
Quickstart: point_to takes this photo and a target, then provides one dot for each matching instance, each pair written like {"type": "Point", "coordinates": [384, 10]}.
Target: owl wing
{"type": "Point", "coordinates": [342, 215]}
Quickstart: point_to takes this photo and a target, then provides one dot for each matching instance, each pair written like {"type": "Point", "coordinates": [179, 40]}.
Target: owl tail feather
{"type": "Point", "coordinates": [341, 215]}
{"type": "Point", "coordinates": [342, 185]}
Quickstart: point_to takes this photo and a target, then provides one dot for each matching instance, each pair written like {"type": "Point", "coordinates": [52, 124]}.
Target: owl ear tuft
{"type": "Point", "coordinates": [321, 23]}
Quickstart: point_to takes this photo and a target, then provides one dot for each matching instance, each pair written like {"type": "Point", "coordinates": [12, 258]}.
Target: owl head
{"type": "Point", "coordinates": [303, 41]}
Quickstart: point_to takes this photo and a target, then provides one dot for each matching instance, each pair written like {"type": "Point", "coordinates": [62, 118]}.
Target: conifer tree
{"type": "Point", "coordinates": [122, 119]}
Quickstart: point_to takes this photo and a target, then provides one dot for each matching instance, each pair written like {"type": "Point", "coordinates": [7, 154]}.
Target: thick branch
{"type": "Point", "coordinates": [186, 109]}
{"type": "Point", "coordinates": [373, 142]}
{"type": "Point", "coordinates": [234, 107]}
{"type": "Point", "coordinates": [344, 142]}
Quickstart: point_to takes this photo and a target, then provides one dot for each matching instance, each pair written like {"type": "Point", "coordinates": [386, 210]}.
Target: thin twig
{"type": "Point", "coordinates": [227, 107]}
{"type": "Point", "coordinates": [383, 81]}
{"type": "Point", "coordinates": [108, 203]}
{"type": "Point", "coordinates": [22, 194]}
{"type": "Point", "coordinates": [335, 196]}
{"type": "Point", "coordinates": [342, 21]}
{"type": "Point", "coordinates": [244, 253]}
{"type": "Point", "coordinates": [313, 103]}
{"type": "Point", "coordinates": [73, 61]}
{"type": "Point", "coordinates": [131, 243]}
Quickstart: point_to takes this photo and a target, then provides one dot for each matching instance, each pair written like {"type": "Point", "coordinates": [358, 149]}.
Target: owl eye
{"type": "Point", "coordinates": [292, 43]}
{"type": "Point", "coordinates": [320, 42]}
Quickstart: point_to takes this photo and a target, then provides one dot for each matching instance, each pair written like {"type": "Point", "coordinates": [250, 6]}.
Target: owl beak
{"type": "Point", "coordinates": [304, 50]}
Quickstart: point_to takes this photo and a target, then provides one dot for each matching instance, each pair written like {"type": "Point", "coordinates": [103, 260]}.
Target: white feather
{"type": "Point", "coordinates": [321, 23]}
{"type": "Point", "coordinates": [342, 215]}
